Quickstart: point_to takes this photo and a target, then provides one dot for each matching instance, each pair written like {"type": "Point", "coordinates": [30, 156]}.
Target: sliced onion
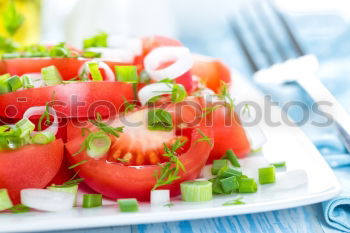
{"type": "Point", "coordinates": [181, 55]}
{"type": "Point", "coordinates": [39, 110]}
{"type": "Point", "coordinates": [123, 55]}
{"type": "Point", "coordinates": [108, 71]}
{"type": "Point", "coordinates": [47, 200]}
{"type": "Point", "coordinates": [37, 79]}
{"type": "Point", "coordinates": [152, 90]}
{"type": "Point", "coordinates": [160, 197]}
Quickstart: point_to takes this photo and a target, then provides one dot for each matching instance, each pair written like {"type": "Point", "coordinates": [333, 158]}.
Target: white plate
{"type": "Point", "coordinates": [284, 143]}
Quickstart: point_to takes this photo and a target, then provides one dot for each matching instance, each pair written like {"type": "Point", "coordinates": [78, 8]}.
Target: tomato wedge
{"type": "Point", "coordinates": [211, 71]}
{"type": "Point", "coordinates": [68, 67]}
{"type": "Point", "coordinates": [82, 99]}
{"type": "Point", "coordinates": [32, 166]}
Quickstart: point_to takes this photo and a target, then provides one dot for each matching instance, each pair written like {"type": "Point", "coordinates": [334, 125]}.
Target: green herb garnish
{"type": "Point", "coordinates": [204, 138]}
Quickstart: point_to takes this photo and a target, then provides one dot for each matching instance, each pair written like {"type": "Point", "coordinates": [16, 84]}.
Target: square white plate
{"type": "Point", "coordinates": [284, 143]}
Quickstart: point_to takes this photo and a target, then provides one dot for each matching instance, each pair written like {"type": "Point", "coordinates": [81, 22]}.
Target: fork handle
{"type": "Point", "coordinates": [318, 92]}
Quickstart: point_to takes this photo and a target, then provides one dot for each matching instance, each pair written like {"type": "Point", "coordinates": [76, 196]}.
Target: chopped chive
{"type": "Point", "coordinates": [219, 164]}
{"type": "Point", "coordinates": [159, 119]}
{"type": "Point", "coordinates": [279, 164]}
{"type": "Point", "coordinates": [229, 184]}
{"type": "Point", "coordinates": [92, 200]}
{"type": "Point", "coordinates": [128, 205]}
{"type": "Point", "coordinates": [267, 175]}
{"type": "Point", "coordinates": [77, 164]}
{"type": "Point", "coordinates": [51, 76]}
{"type": "Point", "coordinates": [247, 185]}
{"type": "Point", "coordinates": [19, 209]}
{"type": "Point", "coordinates": [231, 156]}
{"type": "Point", "coordinates": [43, 138]}
{"type": "Point", "coordinates": [126, 74]}
{"type": "Point", "coordinates": [27, 81]}
{"type": "Point", "coordinates": [228, 172]}
{"type": "Point", "coordinates": [15, 83]}
{"type": "Point", "coordinates": [5, 201]}
{"type": "Point", "coordinates": [94, 71]}
{"type": "Point", "coordinates": [25, 126]}
{"type": "Point", "coordinates": [196, 191]}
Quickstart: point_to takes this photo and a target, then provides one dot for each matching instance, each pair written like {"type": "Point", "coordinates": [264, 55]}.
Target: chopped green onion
{"type": "Point", "coordinates": [128, 205]}
{"type": "Point", "coordinates": [229, 184]}
{"type": "Point", "coordinates": [159, 119]}
{"type": "Point", "coordinates": [196, 191]}
{"type": "Point", "coordinates": [178, 93]}
{"type": "Point", "coordinates": [19, 209]}
{"type": "Point", "coordinates": [228, 172]}
{"type": "Point", "coordinates": [230, 155]}
{"type": "Point", "coordinates": [73, 189]}
{"type": "Point", "coordinates": [247, 185]}
{"type": "Point", "coordinates": [217, 189]}
{"type": "Point", "coordinates": [95, 71]}
{"type": "Point", "coordinates": [267, 175]}
{"type": "Point", "coordinates": [4, 77]}
{"type": "Point", "coordinates": [25, 126]}
{"type": "Point", "coordinates": [4, 87]}
{"type": "Point", "coordinates": [279, 164]}
{"type": "Point", "coordinates": [98, 144]}
{"type": "Point", "coordinates": [126, 74]}
{"type": "Point", "coordinates": [51, 76]}
{"type": "Point", "coordinates": [92, 200]}
{"type": "Point", "coordinates": [15, 83]}
{"type": "Point", "coordinates": [91, 54]}
{"type": "Point", "coordinates": [99, 40]}
{"type": "Point", "coordinates": [11, 142]}
{"type": "Point", "coordinates": [27, 81]}
{"type": "Point", "coordinates": [43, 138]}
{"type": "Point", "coordinates": [59, 50]}
{"type": "Point", "coordinates": [5, 201]}
{"type": "Point", "coordinates": [219, 164]}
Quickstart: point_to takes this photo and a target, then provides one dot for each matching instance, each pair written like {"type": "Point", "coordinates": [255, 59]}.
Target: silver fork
{"type": "Point", "coordinates": [254, 22]}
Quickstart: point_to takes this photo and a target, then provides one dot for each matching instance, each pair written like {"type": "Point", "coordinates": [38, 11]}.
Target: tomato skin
{"type": "Point", "coordinates": [114, 180]}
{"type": "Point", "coordinates": [211, 71]}
{"type": "Point", "coordinates": [63, 174]}
{"type": "Point", "coordinates": [151, 42]}
{"type": "Point", "coordinates": [32, 166]}
{"type": "Point", "coordinates": [228, 134]}
{"type": "Point", "coordinates": [68, 67]}
{"type": "Point", "coordinates": [71, 100]}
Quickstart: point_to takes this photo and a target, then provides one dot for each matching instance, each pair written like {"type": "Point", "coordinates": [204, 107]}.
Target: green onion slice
{"type": "Point", "coordinates": [95, 71]}
{"type": "Point", "coordinates": [51, 76]}
{"type": "Point", "coordinates": [128, 205]}
{"type": "Point", "coordinates": [159, 119]}
{"type": "Point", "coordinates": [25, 126]}
{"type": "Point", "coordinates": [73, 189]}
{"type": "Point", "coordinates": [281, 164]}
{"type": "Point", "coordinates": [126, 74]}
{"type": "Point", "coordinates": [92, 200]}
{"type": "Point", "coordinates": [267, 175]}
{"type": "Point", "coordinates": [27, 81]}
{"type": "Point", "coordinates": [196, 191]}
{"type": "Point", "coordinates": [231, 156]}
{"type": "Point", "coordinates": [247, 185]}
{"type": "Point", "coordinates": [5, 201]}
{"type": "Point", "coordinates": [43, 138]}
{"type": "Point", "coordinates": [99, 40]}
{"type": "Point", "coordinates": [98, 144]}
{"type": "Point", "coordinates": [218, 165]}
{"type": "Point", "coordinates": [15, 83]}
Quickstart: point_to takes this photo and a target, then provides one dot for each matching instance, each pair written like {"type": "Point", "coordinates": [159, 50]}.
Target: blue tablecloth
{"type": "Point", "coordinates": [323, 35]}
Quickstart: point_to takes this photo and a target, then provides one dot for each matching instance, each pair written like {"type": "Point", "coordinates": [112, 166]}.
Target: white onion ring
{"type": "Point", "coordinates": [47, 200]}
{"type": "Point", "coordinates": [123, 55]}
{"type": "Point", "coordinates": [108, 71]}
{"type": "Point", "coordinates": [160, 197]}
{"type": "Point", "coordinates": [155, 89]}
{"type": "Point", "coordinates": [39, 110]}
{"type": "Point", "coordinates": [181, 55]}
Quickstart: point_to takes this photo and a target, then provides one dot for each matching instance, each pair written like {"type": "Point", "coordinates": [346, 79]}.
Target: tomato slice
{"type": "Point", "coordinates": [68, 67]}
{"type": "Point", "coordinates": [142, 148]}
{"type": "Point", "coordinates": [211, 71]}
{"type": "Point", "coordinates": [81, 100]}
{"type": "Point", "coordinates": [32, 166]}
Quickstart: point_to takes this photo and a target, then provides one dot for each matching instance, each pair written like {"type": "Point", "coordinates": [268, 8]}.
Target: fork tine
{"type": "Point", "coordinates": [265, 20]}
{"type": "Point", "coordinates": [257, 35]}
{"type": "Point", "coordinates": [239, 35]}
{"type": "Point", "coordinates": [298, 49]}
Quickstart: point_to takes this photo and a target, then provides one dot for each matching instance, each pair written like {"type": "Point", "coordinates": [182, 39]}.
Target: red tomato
{"type": "Point", "coordinates": [142, 147]}
{"type": "Point", "coordinates": [63, 174]}
{"type": "Point", "coordinates": [211, 71]}
{"type": "Point", "coordinates": [32, 166]}
{"type": "Point", "coordinates": [228, 134]}
{"type": "Point", "coordinates": [152, 42]}
{"type": "Point", "coordinates": [68, 67]}
{"type": "Point", "coordinates": [81, 99]}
